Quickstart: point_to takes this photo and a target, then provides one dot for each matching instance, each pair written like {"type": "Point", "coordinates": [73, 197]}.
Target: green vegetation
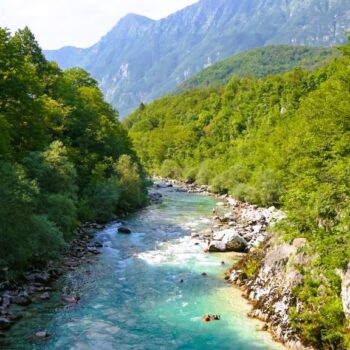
{"type": "Point", "coordinates": [259, 63]}
{"type": "Point", "coordinates": [280, 140]}
{"type": "Point", "coordinates": [64, 156]}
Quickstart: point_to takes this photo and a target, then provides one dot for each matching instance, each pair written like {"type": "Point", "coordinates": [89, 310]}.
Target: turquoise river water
{"type": "Point", "coordinates": [131, 297]}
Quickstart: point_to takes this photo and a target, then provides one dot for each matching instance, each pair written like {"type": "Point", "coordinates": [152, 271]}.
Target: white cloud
{"type": "Point", "coordinates": [81, 23]}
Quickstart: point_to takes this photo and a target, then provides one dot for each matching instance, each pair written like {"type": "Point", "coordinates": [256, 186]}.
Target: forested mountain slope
{"type": "Point", "coordinates": [258, 63]}
{"type": "Point", "coordinates": [282, 140]}
{"type": "Point", "coordinates": [64, 156]}
{"type": "Point", "coordinates": [141, 59]}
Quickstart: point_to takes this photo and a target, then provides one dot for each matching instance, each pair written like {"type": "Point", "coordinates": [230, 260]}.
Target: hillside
{"type": "Point", "coordinates": [281, 140]}
{"type": "Point", "coordinates": [64, 156]}
{"type": "Point", "coordinates": [141, 59]}
{"type": "Point", "coordinates": [258, 63]}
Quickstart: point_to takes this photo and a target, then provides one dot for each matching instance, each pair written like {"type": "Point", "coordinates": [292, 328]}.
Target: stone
{"type": "Point", "coordinates": [345, 290]}
{"type": "Point", "coordinates": [5, 323]}
{"type": "Point", "coordinates": [217, 246]}
{"type": "Point", "coordinates": [124, 230]}
{"type": "Point", "coordinates": [194, 234]}
{"type": "Point", "coordinates": [230, 217]}
{"type": "Point", "coordinates": [232, 240]}
{"type": "Point", "coordinates": [42, 334]}
{"type": "Point", "coordinates": [232, 202]}
{"type": "Point", "coordinates": [265, 327]}
{"type": "Point", "coordinates": [70, 299]}
{"type": "Point", "coordinates": [40, 277]}
{"type": "Point", "coordinates": [22, 299]}
{"type": "Point", "coordinates": [93, 250]}
{"type": "Point", "coordinates": [45, 296]}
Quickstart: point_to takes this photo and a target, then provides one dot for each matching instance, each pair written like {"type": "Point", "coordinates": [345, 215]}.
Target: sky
{"type": "Point", "coordinates": [81, 23]}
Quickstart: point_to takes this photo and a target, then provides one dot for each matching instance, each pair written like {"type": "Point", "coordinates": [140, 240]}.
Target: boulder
{"type": "Point", "coordinates": [124, 230]}
{"type": "Point", "coordinates": [231, 239]}
{"type": "Point", "coordinates": [236, 244]}
{"type": "Point", "coordinates": [217, 246]}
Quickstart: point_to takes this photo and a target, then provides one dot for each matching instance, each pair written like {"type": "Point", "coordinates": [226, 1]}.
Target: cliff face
{"type": "Point", "coordinates": [271, 287]}
{"type": "Point", "coordinates": [141, 59]}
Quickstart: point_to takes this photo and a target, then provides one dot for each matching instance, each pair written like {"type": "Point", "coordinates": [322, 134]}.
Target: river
{"type": "Point", "coordinates": [132, 298]}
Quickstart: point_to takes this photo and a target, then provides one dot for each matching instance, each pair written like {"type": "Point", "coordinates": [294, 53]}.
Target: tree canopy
{"type": "Point", "coordinates": [64, 156]}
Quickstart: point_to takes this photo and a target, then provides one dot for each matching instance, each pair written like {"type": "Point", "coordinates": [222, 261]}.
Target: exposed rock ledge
{"type": "Point", "coordinates": [270, 289]}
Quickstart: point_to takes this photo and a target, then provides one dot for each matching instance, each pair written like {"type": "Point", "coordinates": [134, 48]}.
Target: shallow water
{"type": "Point", "coordinates": [131, 297]}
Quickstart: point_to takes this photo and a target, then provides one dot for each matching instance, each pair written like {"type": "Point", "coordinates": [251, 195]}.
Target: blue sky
{"type": "Point", "coordinates": [81, 23]}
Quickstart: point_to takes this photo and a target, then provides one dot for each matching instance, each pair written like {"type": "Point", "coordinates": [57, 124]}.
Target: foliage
{"type": "Point", "coordinates": [259, 63]}
{"type": "Point", "coordinates": [59, 143]}
{"type": "Point", "coordinates": [279, 140]}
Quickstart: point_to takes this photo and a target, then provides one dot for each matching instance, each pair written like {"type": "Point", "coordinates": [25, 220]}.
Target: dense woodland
{"type": "Point", "coordinates": [259, 63]}
{"type": "Point", "coordinates": [64, 156]}
{"type": "Point", "coordinates": [282, 140]}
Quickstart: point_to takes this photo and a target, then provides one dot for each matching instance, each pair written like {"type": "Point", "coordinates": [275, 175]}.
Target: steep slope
{"type": "Point", "coordinates": [281, 140]}
{"type": "Point", "coordinates": [141, 59]}
{"type": "Point", "coordinates": [258, 63]}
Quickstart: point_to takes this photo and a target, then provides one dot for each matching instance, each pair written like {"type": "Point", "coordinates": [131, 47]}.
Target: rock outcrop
{"type": "Point", "coordinates": [345, 290]}
{"type": "Point", "coordinates": [270, 287]}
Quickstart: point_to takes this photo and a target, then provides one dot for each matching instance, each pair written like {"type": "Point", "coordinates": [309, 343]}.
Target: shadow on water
{"type": "Point", "coordinates": [132, 297]}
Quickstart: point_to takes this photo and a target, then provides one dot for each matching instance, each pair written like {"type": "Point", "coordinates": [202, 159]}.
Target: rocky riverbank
{"type": "Point", "coordinates": [36, 284]}
{"type": "Point", "coordinates": [268, 270]}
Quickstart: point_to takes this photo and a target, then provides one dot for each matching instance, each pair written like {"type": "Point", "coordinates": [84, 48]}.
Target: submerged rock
{"type": "Point", "coordinates": [92, 250]}
{"type": "Point", "coordinates": [124, 230]}
{"type": "Point", "coordinates": [71, 299]}
{"type": "Point", "coordinates": [41, 334]}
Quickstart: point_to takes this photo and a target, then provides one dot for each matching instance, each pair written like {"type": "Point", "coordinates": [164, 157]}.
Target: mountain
{"type": "Point", "coordinates": [259, 63]}
{"type": "Point", "coordinates": [141, 59]}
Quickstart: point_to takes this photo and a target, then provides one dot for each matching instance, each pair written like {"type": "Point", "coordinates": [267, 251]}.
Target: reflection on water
{"type": "Point", "coordinates": [133, 298]}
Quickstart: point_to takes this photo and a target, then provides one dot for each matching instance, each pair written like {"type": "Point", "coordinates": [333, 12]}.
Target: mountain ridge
{"type": "Point", "coordinates": [151, 57]}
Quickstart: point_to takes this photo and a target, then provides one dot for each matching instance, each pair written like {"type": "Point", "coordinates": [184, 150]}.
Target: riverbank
{"type": "Point", "coordinates": [268, 269]}
{"type": "Point", "coordinates": [36, 284]}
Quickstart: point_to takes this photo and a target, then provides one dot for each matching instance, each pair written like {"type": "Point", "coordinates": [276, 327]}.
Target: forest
{"type": "Point", "coordinates": [281, 140]}
{"type": "Point", "coordinates": [64, 156]}
{"type": "Point", "coordinates": [259, 63]}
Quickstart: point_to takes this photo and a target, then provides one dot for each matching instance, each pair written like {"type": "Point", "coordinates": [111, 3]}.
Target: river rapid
{"type": "Point", "coordinates": [132, 297]}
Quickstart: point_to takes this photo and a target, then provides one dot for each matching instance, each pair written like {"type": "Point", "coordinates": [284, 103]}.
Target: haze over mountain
{"type": "Point", "coordinates": [141, 59]}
